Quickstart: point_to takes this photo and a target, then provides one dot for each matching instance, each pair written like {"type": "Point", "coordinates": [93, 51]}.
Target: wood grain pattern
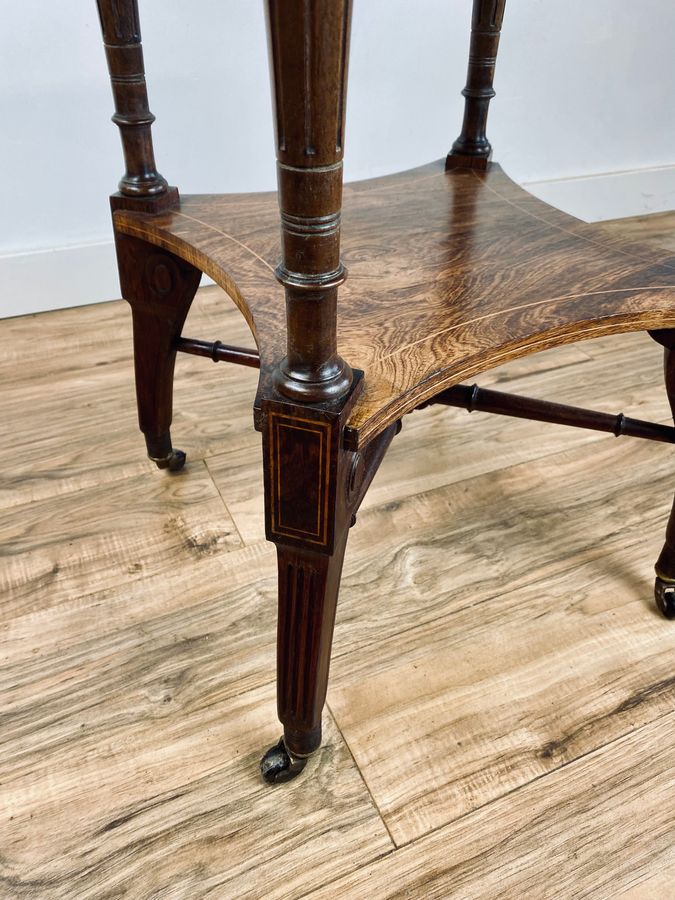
{"type": "Point", "coordinates": [540, 622]}
{"type": "Point", "coordinates": [450, 274]}
{"type": "Point", "coordinates": [439, 447]}
{"type": "Point", "coordinates": [656, 229]}
{"type": "Point", "coordinates": [572, 835]}
{"type": "Point", "coordinates": [172, 521]}
{"type": "Point", "coordinates": [122, 636]}
{"type": "Point", "coordinates": [647, 885]}
{"type": "Point", "coordinates": [158, 795]}
{"type": "Point", "coordinates": [90, 361]}
{"type": "Point", "coordinates": [168, 667]}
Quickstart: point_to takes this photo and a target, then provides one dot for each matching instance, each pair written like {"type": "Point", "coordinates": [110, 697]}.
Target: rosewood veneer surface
{"type": "Point", "coordinates": [450, 273]}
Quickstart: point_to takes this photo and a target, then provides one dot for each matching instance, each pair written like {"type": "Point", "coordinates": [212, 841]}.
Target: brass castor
{"type": "Point", "coordinates": [664, 592]}
{"type": "Point", "coordinates": [279, 764]}
{"type": "Point", "coordinates": [174, 462]}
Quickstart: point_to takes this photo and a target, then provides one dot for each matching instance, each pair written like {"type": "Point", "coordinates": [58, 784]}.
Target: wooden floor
{"type": "Point", "coordinates": [501, 714]}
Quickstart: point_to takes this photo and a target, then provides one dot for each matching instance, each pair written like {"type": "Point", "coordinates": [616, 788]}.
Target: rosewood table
{"type": "Point", "coordinates": [453, 269]}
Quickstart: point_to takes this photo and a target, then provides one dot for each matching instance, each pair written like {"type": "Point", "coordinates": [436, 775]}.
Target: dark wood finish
{"type": "Point", "coordinates": [474, 398]}
{"type": "Point", "coordinates": [308, 590]}
{"type": "Point", "coordinates": [219, 352]}
{"type": "Point", "coordinates": [309, 51]}
{"type": "Point", "coordinates": [313, 487]}
{"type": "Point", "coordinates": [472, 148]}
{"type": "Point", "coordinates": [158, 285]}
{"type": "Point", "coordinates": [451, 273]}
{"type": "Point", "coordinates": [120, 26]}
{"type": "Point", "coordinates": [159, 288]}
{"type": "Point", "coordinates": [664, 588]}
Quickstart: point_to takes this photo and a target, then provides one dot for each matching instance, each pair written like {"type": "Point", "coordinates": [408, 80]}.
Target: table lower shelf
{"type": "Point", "coordinates": [450, 274]}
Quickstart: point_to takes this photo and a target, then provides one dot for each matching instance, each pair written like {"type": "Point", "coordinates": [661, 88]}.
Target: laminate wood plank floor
{"type": "Point", "coordinates": [501, 713]}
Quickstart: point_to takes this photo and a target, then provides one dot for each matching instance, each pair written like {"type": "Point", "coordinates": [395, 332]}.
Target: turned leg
{"type": "Point", "coordinates": [309, 45]}
{"type": "Point", "coordinates": [472, 148]}
{"type": "Point", "coordinates": [160, 288]}
{"type": "Point", "coordinates": [664, 587]}
{"type": "Point", "coordinates": [141, 187]}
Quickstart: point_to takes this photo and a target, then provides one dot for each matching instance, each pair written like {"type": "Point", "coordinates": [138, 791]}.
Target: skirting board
{"type": "Point", "coordinates": [35, 281]}
{"type": "Point", "coordinates": [59, 278]}
{"type": "Point", "coordinates": [613, 195]}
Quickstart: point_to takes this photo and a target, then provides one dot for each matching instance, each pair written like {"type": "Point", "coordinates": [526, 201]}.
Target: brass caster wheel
{"type": "Point", "coordinates": [174, 462]}
{"type": "Point", "coordinates": [279, 764]}
{"type": "Point", "coordinates": [664, 592]}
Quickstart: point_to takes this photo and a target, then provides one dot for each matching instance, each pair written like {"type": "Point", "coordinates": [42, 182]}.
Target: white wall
{"type": "Point", "coordinates": [583, 89]}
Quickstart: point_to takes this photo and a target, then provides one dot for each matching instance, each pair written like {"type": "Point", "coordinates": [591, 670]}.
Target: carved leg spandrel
{"type": "Point", "coordinates": [160, 288]}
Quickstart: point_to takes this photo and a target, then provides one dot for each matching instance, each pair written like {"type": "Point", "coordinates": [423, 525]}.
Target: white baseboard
{"type": "Point", "coordinates": [76, 275]}
{"type": "Point", "coordinates": [54, 279]}
{"type": "Point", "coordinates": [612, 195]}
{"type": "Point", "coordinates": [62, 277]}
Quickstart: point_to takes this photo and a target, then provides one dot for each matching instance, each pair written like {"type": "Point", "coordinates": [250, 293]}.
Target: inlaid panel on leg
{"type": "Point", "coordinates": [313, 488]}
